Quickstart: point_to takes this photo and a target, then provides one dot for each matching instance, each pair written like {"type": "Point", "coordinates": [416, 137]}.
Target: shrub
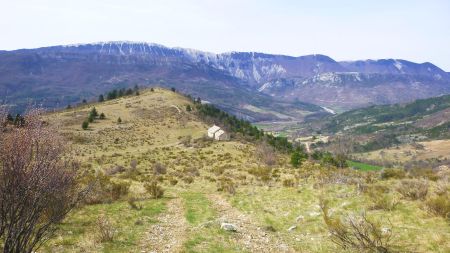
{"type": "Point", "coordinates": [388, 173]}
{"type": "Point", "coordinates": [356, 233]}
{"type": "Point", "coordinates": [439, 205]}
{"type": "Point", "coordinates": [423, 173]}
{"type": "Point", "coordinates": [154, 189]}
{"type": "Point", "coordinates": [191, 171]}
{"type": "Point", "coordinates": [132, 202]}
{"type": "Point", "coordinates": [226, 185]}
{"type": "Point", "coordinates": [119, 189]}
{"type": "Point", "coordinates": [386, 202]}
{"type": "Point", "coordinates": [159, 169]}
{"type": "Point", "coordinates": [188, 180]}
{"type": "Point", "coordinates": [38, 183]}
{"type": "Point", "coordinates": [105, 229]}
{"type": "Point", "coordinates": [289, 182]}
{"type": "Point", "coordinates": [114, 170]}
{"type": "Point", "coordinates": [266, 154]}
{"type": "Point", "coordinates": [102, 116]}
{"type": "Point", "coordinates": [119, 120]}
{"type": "Point", "coordinates": [85, 125]}
{"type": "Point", "coordinates": [173, 181]}
{"type": "Point", "coordinates": [262, 173]}
{"type": "Point", "coordinates": [413, 188]}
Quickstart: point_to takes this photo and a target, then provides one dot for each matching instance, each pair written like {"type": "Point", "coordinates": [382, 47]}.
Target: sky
{"type": "Point", "coordinates": [415, 30]}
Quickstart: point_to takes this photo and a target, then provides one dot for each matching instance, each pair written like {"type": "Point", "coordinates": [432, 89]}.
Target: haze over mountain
{"type": "Point", "coordinates": [254, 85]}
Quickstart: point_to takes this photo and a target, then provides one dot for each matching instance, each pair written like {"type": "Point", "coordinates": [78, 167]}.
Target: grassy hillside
{"type": "Point", "coordinates": [275, 208]}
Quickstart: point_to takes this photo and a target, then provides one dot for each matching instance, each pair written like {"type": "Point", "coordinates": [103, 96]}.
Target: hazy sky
{"type": "Point", "coordinates": [342, 29]}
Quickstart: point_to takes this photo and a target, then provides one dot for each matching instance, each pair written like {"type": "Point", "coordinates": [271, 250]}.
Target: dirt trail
{"type": "Point", "coordinates": [252, 237]}
{"type": "Point", "coordinates": [169, 233]}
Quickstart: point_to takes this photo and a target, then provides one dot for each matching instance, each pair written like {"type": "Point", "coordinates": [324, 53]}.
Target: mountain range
{"type": "Point", "coordinates": [256, 86]}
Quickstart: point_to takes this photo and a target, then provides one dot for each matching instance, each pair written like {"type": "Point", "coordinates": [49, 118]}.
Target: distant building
{"type": "Point", "coordinates": [212, 130]}
{"type": "Point", "coordinates": [221, 135]}
{"type": "Point", "coordinates": [218, 134]}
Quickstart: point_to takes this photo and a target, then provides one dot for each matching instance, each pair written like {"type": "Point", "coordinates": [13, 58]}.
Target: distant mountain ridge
{"type": "Point", "coordinates": [66, 74]}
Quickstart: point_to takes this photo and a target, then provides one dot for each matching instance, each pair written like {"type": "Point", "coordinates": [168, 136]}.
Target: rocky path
{"type": "Point", "coordinates": [169, 233]}
{"type": "Point", "coordinates": [252, 237]}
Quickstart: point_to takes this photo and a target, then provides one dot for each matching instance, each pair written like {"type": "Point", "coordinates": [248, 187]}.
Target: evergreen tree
{"type": "Point", "coordinates": [101, 98]}
{"type": "Point", "coordinates": [84, 101]}
{"type": "Point", "coordinates": [90, 118]}
{"type": "Point", "coordinates": [188, 108]}
{"type": "Point", "coordinates": [173, 89]}
{"type": "Point", "coordinates": [93, 113]}
{"type": "Point", "coordinates": [9, 118]}
{"type": "Point", "coordinates": [298, 157]}
{"type": "Point", "coordinates": [69, 106]}
{"type": "Point", "coordinates": [119, 120]}
{"type": "Point", "coordinates": [102, 116]}
{"type": "Point", "coordinates": [85, 125]}
{"type": "Point", "coordinates": [151, 89]}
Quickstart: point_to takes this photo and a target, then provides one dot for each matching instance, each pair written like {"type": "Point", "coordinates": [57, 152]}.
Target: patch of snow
{"type": "Point", "coordinates": [398, 65]}
{"type": "Point", "coordinates": [264, 86]}
{"type": "Point", "coordinates": [328, 110]}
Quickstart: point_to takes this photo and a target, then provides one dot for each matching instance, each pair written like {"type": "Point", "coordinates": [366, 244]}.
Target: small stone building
{"type": "Point", "coordinates": [218, 134]}
{"type": "Point", "coordinates": [212, 130]}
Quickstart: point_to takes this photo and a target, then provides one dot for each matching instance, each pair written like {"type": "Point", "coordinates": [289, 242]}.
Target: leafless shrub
{"type": "Point", "coordinates": [105, 229]}
{"type": "Point", "coordinates": [266, 154]}
{"type": "Point", "coordinates": [413, 188]}
{"type": "Point", "coordinates": [191, 171]}
{"type": "Point", "coordinates": [159, 169]}
{"type": "Point", "coordinates": [114, 170]}
{"type": "Point", "coordinates": [37, 186]}
{"type": "Point", "coordinates": [356, 232]}
{"type": "Point", "coordinates": [133, 165]}
{"type": "Point", "coordinates": [154, 189]}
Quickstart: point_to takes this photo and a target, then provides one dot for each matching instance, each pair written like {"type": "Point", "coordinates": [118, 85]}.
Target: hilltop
{"type": "Point", "coordinates": [159, 145]}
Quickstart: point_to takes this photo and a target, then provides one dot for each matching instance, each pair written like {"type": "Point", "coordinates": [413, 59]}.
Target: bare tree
{"type": "Point", "coordinates": [266, 154]}
{"type": "Point", "coordinates": [38, 186]}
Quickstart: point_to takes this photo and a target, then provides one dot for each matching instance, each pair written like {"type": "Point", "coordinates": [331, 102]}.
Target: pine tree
{"type": "Point", "coordinates": [102, 116]}
{"type": "Point", "coordinates": [188, 108]}
{"type": "Point", "coordinates": [85, 125]}
{"type": "Point", "coordinates": [101, 98]}
{"type": "Point", "coordinates": [119, 120]}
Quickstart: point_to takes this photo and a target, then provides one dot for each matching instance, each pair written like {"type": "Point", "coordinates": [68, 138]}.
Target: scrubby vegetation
{"type": "Point", "coordinates": [157, 183]}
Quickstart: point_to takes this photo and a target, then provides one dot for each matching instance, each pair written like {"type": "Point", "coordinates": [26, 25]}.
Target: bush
{"type": "Point", "coordinates": [226, 185]}
{"type": "Point", "coordinates": [388, 173]}
{"type": "Point", "coordinates": [154, 189]}
{"type": "Point", "coordinates": [386, 202]}
{"type": "Point", "coordinates": [356, 233]}
{"type": "Point", "coordinates": [132, 202]}
{"type": "Point", "coordinates": [159, 169]}
{"type": "Point", "coordinates": [85, 125]}
{"type": "Point", "coordinates": [119, 189]}
{"type": "Point", "coordinates": [439, 205]}
{"type": "Point", "coordinates": [262, 173]}
{"type": "Point", "coordinates": [266, 154]}
{"type": "Point", "coordinates": [413, 188]}
{"type": "Point", "coordinates": [289, 182]}
{"type": "Point", "coordinates": [105, 228]}
{"type": "Point", "coordinates": [423, 173]}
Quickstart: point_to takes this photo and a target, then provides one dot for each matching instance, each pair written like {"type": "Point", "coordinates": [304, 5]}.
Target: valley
{"type": "Point", "coordinates": [274, 207]}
